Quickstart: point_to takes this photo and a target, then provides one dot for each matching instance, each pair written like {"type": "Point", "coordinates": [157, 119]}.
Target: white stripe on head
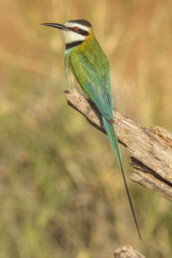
{"type": "Point", "coordinates": [75, 24]}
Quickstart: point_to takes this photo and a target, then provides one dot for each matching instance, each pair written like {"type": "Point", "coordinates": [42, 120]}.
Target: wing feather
{"type": "Point", "coordinates": [95, 81]}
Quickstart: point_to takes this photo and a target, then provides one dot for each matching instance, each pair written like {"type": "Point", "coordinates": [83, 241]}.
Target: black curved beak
{"type": "Point", "coordinates": [55, 25]}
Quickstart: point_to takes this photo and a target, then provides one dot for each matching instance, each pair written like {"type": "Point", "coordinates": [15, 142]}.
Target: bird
{"type": "Point", "coordinates": [88, 71]}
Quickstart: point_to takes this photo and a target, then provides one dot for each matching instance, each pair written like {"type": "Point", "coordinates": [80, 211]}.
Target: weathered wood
{"type": "Point", "coordinates": [127, 252]}
{"type": "Point", "coordinates": [150, 149]}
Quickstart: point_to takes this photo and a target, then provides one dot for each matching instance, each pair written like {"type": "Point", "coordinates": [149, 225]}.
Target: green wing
{"type": "Point", "coordinates": [92, 72]}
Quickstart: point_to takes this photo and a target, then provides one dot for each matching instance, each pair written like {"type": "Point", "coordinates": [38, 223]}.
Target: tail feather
{"type": "Point", "coordinates": [110, 130]}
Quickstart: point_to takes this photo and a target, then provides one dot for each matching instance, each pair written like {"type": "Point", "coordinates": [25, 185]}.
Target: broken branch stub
{"type": "Point", "coordinates": [150, 149]}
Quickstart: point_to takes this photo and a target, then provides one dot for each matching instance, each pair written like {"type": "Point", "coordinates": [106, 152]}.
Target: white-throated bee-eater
{"type": "Point", "coordinates": [87, 71]}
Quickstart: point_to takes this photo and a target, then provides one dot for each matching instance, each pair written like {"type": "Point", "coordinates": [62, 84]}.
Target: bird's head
{"type": "Point", "coordinates": [74, 31]}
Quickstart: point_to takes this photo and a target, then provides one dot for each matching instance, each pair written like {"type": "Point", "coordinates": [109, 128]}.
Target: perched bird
{"type": "Point", "coordinates": [87, 71]}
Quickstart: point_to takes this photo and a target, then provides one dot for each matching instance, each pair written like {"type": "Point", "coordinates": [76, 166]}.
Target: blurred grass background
{"type": "Point", "coordinates": [59, 197]}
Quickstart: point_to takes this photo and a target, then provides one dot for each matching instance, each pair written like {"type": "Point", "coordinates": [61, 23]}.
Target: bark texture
{"type": "Point", "coordinates": [150, 149]}
{"type": "Point", "coordinates": [127, 252]}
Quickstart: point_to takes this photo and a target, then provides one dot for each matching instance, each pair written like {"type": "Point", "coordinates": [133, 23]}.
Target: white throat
{"type": "Point", "coordinates": [71, 36]}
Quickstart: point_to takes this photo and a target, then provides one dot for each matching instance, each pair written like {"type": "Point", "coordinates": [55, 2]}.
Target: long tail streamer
{"type": "Point", "coordinates": [110, 130]}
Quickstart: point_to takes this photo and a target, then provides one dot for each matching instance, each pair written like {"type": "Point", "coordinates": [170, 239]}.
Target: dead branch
{"type": "Point", "coordinates": [150, 149]}
{"type": "Point", "coordinates": [127, 252]}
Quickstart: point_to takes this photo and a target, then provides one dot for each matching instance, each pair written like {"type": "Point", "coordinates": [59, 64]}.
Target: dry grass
{"type": "Point", "coordinates": [59, 197]}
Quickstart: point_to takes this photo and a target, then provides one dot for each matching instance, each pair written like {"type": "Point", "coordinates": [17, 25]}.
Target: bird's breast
{"type": "Point", "coordinates": [71, 78]}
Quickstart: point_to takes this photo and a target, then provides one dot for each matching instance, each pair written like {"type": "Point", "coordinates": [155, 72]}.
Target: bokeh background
{"type": "Point", "coordinates": [61, 192]}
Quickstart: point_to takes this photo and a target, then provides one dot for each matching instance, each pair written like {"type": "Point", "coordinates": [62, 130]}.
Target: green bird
{"type": "Point", "coordinates": [87, 71]}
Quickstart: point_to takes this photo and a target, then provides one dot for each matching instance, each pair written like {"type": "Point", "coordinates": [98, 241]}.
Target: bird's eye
{"type": "Point", "coordinates": [75, 28]}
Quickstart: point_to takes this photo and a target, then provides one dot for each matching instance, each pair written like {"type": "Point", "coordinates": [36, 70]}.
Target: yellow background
{"type": "Point", "coordinates": [61, 192]}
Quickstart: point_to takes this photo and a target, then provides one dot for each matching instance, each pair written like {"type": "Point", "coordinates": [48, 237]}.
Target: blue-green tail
{"type": "Point", "coordinates": [110, 130]}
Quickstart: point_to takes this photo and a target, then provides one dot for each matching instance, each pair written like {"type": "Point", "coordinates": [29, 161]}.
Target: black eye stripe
{"type": "Point", "coordinates": [80, 31]}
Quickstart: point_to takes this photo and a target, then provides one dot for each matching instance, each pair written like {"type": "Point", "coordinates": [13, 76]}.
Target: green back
{"type": "Point", "coordinates": [91, 68]}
